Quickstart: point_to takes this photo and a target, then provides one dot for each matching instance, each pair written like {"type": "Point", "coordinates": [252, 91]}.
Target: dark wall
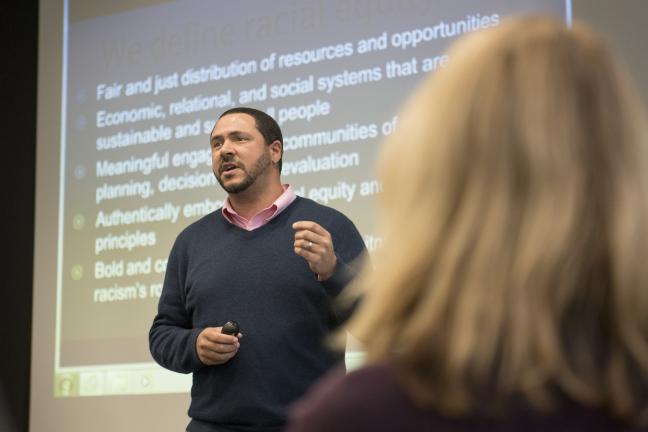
{"type": "Point", "coordinates": [18, 36]}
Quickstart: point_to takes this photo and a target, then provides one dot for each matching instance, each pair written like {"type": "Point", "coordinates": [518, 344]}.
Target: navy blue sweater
{"type": "Point", "coordinates": [219, 272]}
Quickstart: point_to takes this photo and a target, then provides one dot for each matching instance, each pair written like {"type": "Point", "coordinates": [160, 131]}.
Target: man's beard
{"type": "Point", "coordinates": [261, 164]}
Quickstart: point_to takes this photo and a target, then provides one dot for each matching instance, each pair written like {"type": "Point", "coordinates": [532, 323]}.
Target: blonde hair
{"type": "Point", "coordinates": [514, 216]}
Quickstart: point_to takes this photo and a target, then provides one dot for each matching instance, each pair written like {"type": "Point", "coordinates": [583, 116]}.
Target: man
{"type": "Point", "coordinates": [269, 260]}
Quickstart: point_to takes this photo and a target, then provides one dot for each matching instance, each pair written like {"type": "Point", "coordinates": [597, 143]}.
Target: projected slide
{"type": "Point", "coordinates": [141, 91]}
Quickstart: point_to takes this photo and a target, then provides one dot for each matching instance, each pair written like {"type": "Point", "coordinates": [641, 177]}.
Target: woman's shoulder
{"type": "Point", "coordinates": [366, 398]}
{"type": "Point", "coordinates": [371, 399]}
{"type": "Point", "coordinates": [365, 381]}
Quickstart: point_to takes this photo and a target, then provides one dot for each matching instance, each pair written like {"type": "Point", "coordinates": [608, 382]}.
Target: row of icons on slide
{"type": "Point", "coordinates": [139, 381]}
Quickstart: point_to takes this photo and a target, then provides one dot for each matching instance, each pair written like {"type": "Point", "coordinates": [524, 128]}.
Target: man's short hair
{"type": "Point", "coordinates": [264, 123]}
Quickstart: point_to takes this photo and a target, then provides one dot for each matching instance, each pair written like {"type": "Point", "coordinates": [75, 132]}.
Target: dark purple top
{"type": "Point", "coordinates": [370, 399]}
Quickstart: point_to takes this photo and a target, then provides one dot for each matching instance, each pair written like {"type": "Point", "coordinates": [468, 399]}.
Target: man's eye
{"type": "Point", "coordinates": [216, 144]}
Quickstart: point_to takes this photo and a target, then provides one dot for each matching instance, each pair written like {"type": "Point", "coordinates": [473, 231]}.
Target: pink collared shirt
{"type": "Point", "coordinates": [264, 216]}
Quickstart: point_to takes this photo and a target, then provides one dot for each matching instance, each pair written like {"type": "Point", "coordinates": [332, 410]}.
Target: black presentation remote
{"type": "Point", "coordinates": [230, 328]}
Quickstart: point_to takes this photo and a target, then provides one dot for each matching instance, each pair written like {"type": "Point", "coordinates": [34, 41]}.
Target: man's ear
{"type": "Point", "coordinates": [276, 149]}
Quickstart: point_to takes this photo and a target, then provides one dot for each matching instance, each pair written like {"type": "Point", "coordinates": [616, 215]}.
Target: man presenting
{"type": "Point", "coordinates": [269, 260]}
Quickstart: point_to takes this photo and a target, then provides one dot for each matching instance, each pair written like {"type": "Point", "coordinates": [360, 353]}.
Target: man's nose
{"type": "Point", "coordinates": [227, 147]}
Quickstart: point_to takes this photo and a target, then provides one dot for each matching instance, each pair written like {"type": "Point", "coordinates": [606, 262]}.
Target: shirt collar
{"type": "Point", "coordinates": [270, 212]}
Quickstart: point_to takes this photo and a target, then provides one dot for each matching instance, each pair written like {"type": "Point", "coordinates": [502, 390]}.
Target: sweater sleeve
{"type": "Point", "coordinates": [351, 252]}
{"type": "Point", "coordinates": [172, 338]}
{"type": "Point", "coordinates": [342, 275]}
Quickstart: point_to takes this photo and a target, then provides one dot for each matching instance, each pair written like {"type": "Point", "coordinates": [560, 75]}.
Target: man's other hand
{"type": "Point", "coordinates": [315, 245]}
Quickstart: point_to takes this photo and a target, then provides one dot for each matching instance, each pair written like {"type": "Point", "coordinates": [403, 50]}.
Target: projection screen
{"type": "Point", "coordinates": [128, 93]}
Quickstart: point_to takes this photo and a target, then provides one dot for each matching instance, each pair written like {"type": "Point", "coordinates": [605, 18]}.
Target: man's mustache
{"type": "Point", "coordinates": [229, 163]}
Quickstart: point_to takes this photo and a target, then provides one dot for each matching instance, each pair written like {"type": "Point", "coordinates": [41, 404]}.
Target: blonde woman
{"type": "Point", "coordinates": [511, 292]}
